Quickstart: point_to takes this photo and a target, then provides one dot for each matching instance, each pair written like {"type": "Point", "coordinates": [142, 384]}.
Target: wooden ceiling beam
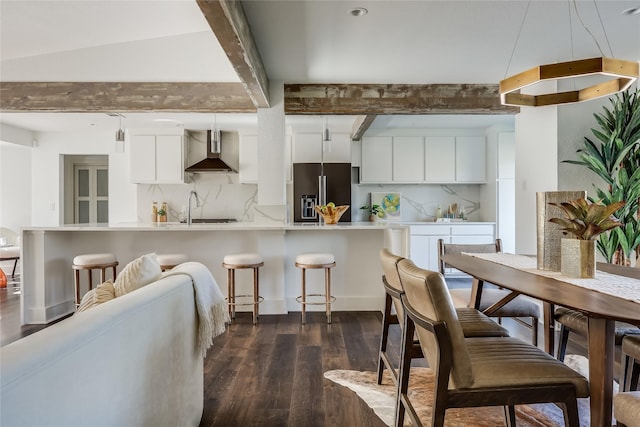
{"type": "Point", "coordinates": [230, 26]}
{"type": "Point", "coordinates": [379, 99]}
{"type": "Point", "coordinates": [112, 96]}
{"type": "Point", "coordinates": [360, 126]}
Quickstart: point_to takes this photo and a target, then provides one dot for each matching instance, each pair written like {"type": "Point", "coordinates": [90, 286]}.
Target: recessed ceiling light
{"type": "Point", "coordinates": [632, 11]}
{"type": "Point", "coordinates": [357, 11]}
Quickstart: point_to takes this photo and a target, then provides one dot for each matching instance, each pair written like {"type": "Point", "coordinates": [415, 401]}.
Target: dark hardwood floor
{"type": "Point", "coordinates": [271, 374]}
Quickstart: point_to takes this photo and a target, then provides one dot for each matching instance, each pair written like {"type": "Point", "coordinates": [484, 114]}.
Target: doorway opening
{"type": "Point", "coordinates": [86, 189]}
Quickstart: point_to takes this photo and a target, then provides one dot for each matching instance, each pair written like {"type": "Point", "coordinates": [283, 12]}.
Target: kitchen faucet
{"type": "Point", "coordinates": [193, 193]}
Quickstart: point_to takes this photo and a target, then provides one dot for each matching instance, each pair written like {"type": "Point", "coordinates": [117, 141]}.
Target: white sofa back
{"type": "Point", "coordinates": [132, 361]}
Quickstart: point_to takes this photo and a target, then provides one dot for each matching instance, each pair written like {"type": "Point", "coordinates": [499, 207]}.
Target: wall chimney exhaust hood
{"type": "Point", "coordinates": [213, 162]}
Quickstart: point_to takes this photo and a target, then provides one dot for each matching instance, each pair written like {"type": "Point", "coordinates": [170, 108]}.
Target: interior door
{"type": "Point", "coordinates": [91, 194]}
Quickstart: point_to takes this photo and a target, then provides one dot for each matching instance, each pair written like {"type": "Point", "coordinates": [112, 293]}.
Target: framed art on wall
{"type": "Point", "coordinates": [390, 204]}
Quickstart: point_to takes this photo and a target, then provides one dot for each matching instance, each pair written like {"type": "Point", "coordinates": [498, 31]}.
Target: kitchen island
{"type": "Point", "coordinates": [47, 254]}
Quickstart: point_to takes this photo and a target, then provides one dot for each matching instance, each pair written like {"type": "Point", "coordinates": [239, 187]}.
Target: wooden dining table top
{"type": "Point", "coordinates": [589, 301]}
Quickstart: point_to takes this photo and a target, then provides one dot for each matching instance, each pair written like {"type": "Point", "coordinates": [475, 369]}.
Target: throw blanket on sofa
{"type": "Point", "coordinates": [210, 303]}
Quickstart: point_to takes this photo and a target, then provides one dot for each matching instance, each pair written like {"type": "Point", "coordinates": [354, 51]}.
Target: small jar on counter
{"type": "Point", "coordinates": [162, 213]}
{"type": "Point", "coordinates": [154, 212]}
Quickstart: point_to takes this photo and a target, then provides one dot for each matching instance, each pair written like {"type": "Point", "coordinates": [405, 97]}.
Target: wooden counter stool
{"type": "Point", "coordinates": [92, 262]}
{"type": "Point", "coordinates": [234, 262]}
{"type": "Point", "coordinates": [316, 260]}
{"type": "Point", "coordinates": [168, 261]}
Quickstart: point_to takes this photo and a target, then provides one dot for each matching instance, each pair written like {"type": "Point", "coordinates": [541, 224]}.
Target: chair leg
{"type": "Point", "coordinates": [570, 409]}
{"type": "Point", "coordinates": [404, 369]}
{"type": "Point", "coordinates": [304, 297]}
{"type": "Point", "coordinates": [90, 278]}
{"type": "Point", "coordinates": [256, 291]}
{"type": "Point", "coordinates": [509, 415]}
{"type": "Point", "coordinates": [562, 342]}
{"type": "Point", "coordinates": [534, 331]}
{"type": "Point", "coordinates": [327, 290]}
{"type": "Point", "coordinates": [77, 283]}
{"type": "Point", "coordinates": [384, 336]}
{"type": "Point", "coordinates": [13, 273]}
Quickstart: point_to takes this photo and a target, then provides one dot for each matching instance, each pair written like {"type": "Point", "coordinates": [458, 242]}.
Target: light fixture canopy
{"type": "Point", "coordinates": [624, 73]}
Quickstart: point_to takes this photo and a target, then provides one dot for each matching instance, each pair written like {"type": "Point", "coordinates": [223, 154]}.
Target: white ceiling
{"type": "Point", "coordinates": [312, 41]}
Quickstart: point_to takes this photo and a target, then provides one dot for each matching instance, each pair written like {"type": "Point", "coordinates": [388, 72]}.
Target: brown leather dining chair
{"type": "Point", "coordinates": [474, 372]}
{"type": "Point", "coordinates": [626, 404]}
{"type": "Point", "coordinates": [518, 308]}
{"type": "Point", "coordinates": [472, 321]}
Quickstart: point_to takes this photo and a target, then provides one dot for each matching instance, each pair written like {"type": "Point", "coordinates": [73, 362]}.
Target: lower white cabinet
{"type": "Point", "coordinates": [156, 159]}
{"type": "Point", "coordinates": [424, 240]}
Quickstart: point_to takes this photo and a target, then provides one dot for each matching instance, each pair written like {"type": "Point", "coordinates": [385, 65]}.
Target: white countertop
{"type": "Point", "coordinates": [233, 226]}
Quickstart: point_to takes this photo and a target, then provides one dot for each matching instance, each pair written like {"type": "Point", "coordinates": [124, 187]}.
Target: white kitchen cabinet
{"type": "Point", "coordinates": [408, 159]}
{"type": "Point", "coordinates": [309, 148]}
{"type": "Point", "coordinates": [424, 241]}
{"type": "Point", "coordinates": [376, 162]}
{"type": "Point", "coordinates": [156, 159]}
{"type": "Point", "coordinates": [440, 159]}
{"type": "Point", "coordinates": [248, 159]}
{"type": "Point", "coordinates": [470, 159]}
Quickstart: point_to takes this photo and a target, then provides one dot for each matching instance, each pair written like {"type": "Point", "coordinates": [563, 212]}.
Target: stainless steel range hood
{"type": "Point", "coordinates": [213, 162]}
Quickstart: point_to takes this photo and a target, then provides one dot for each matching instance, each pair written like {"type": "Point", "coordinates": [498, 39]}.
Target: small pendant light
{"type": "Point", "coordinates": [215, 135]}
{"type": "Point", "coordinates": [120, 131]}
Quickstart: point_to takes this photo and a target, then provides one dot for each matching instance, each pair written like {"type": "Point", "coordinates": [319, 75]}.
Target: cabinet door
{"type": "Point", "coordinates": [338, 150]}
{"type": "Point", "coordinates": [248, 170]}
{"type": "Point", "coordinates": [440, 159]}
{"type": "Point", "coordinates": [419, 250]}
{"type": "Point", "coordinates": [377, 157]}
{"type": "Point", "coordinates": [169, 158]}
{"type": "Point", "coordinates": [408, 159]}
{"type": "Point", "coordinates": [142, 158]}
{"type": "Point", "coordinates": [470, 159]}
{"type": "Point", "coordinates": [307, 147]}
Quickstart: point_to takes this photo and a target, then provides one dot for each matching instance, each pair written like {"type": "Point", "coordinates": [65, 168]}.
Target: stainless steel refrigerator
{"type": "Point", "coordinates": [317, 184]}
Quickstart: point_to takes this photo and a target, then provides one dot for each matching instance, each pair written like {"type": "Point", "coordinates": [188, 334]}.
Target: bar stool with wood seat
{"type": "Point", "coordinates": [92, 262]}
{"type": "Point", "coordinates": [168, 261]}
{"type": "Point", "coordinates": [234, 262]}
{"type": "Point", "coordinates": [316, 260]}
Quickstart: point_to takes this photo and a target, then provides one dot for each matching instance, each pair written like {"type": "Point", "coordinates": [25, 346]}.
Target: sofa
{"type": "Point", "coordinates": [136, 360]}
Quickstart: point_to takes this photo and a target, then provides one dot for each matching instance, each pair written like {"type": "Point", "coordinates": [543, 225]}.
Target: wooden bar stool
{"type": "Point", "coordinates": [92, 262]}
{"type": "Point", "coordinates": [316, 260]}
{"type": "Point", "coordinates": [234, 262]}
{"type": "Point", "coordinates": [168, 261]}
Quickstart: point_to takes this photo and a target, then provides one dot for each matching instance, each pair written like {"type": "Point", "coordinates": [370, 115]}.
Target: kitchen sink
{"type": "Point", "coordinates": [212, 220]}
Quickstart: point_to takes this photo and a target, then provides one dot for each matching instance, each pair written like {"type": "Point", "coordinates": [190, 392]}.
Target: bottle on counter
{"type": "Point", "coordinates": [162, 213]}
{"type": "Point", "coordinates": [154, 212]}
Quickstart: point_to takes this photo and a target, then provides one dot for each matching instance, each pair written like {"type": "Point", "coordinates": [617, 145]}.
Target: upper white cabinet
{"type": "Point", "coordinates": [470, 159]}
{"type": "Point", "coordinates": [309, 148]}
{"type": "Point", "coordinates": [376, 161]}
{"type": "Point", "coordinates": [408, 159]}
{"type": "Point", "coordinates": [440, 158]}
{"type": "Point", "coordinates": [417, 159]}
{"type": "Point", "coordinates": [156, 159]}
{"type": "Point", "coordinates": [248, 159]}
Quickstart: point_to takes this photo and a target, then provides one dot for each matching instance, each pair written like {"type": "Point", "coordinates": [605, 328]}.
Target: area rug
{"type": "Point", "coordinates": [381, 399]}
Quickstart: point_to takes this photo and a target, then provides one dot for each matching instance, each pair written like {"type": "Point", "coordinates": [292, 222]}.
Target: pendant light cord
{"type": "Point", "coordinates": [575, 6]}
{"type": "Point", "coordinates": [515, 44]}
{"type": "Point", "coordinates": [602, 25]}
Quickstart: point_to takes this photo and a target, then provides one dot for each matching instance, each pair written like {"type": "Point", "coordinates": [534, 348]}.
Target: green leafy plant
{"type": "Point", "coordinates": [373, 210]}
{"type": "Point", "coordinates": [161, 212]}
{"type": "Point", "coordinates": [587, 220]}
{"type": "Point", "coordinates": [613, 154]}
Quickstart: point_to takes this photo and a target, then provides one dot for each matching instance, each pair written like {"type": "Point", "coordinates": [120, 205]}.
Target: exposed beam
{"type": "Point", "coordinates": [394, 99]}
{"type": "Point", "coordinates": [361, 125]}
{"type": "Point", "coordinates": [229, 24]}
{"type": "Point", "coordinates": [108, 96]}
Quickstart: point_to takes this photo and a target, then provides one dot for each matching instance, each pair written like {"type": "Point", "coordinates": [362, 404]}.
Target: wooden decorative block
{"type": "Point", "coordinates": [550, 234]}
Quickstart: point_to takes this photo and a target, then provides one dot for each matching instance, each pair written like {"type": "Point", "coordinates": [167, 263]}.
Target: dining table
{"type": "Point", "coordinates": [601, 304]}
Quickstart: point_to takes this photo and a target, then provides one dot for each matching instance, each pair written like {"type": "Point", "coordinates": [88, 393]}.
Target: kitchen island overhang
{"type": "Point", "coordinates": [47, 277]}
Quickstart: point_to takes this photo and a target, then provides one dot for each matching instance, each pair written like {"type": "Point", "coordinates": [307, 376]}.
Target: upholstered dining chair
{"type": "Point", "coordinates": [474, 372]}
{"type": "Point", "coordinates": [626, 404]}
{"type": "Point", "coordinates": [518, 308]}
{"type": "Point", "coordinates": [472, 321]}
{"type": "Point", "coordinates": [578, 323]}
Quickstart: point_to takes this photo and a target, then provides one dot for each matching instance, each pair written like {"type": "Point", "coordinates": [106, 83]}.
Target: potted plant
{"type": "Point", "coordinates": [374, 211]}
{"type": "Point", "coordinates": [162, 215]}
{"type": "Point", "coordinates": [585, 221]}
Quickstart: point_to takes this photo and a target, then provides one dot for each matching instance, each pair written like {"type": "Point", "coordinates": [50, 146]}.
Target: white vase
{"type": "Point", "coordinates": [578, 258]}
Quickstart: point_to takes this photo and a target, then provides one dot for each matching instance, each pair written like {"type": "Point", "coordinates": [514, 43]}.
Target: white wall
{"type": "Point", "coordinates": [48, 180]}
{"type": "Point", "coordinates": [15, 186]}
{"type": "Point", "coordinates": [536, 168]}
